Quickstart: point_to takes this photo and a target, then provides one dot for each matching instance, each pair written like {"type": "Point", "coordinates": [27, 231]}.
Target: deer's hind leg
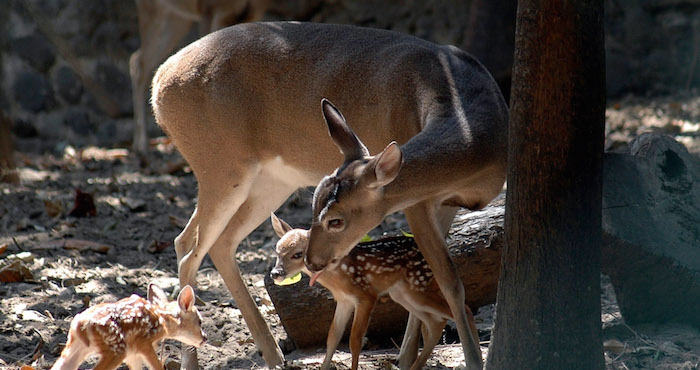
{"type": "Point", "coordinates": [219, 198]}
{"type": "Point", "coordinates": [265, 196]}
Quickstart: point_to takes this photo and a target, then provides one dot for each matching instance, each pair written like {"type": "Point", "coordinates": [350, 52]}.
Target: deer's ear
{"type": "Point", "coordinates": [342, 135]}
{"type": "Point", "coordinates": [186, 298]}
{"type": "Point", "coordinates": [279, 225]}
{"type": "Point", "coordinates": [156, 295]}
{"type": "Point", "coordinates": [385, 166]}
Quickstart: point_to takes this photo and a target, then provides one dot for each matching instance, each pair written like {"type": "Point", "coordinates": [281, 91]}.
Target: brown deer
{"type": "Point", "coordinates": [241, 105]}
{"type": "Point", "coordinates": [391, 266]}
{"type": "Point", "coordinates": [127, 330]}
{"type": "Point", "coordinates": [162, 26]}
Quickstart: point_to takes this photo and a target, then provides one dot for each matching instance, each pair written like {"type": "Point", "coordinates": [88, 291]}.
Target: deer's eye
{"type": "Point", "coordinates": [335, 223]}
{"type": "Point", "coordinates": [297, 255]}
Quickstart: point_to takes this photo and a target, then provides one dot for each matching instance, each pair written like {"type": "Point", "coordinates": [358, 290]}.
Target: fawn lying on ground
{"type": "Point", "coordinates": [128, 330]}
{"type": "Point", "coordinates": [390, 266]}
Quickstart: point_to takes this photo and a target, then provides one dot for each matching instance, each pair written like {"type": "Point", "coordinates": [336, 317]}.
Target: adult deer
{"type": "Point", "coordinates": [241, 104]}
{"type": "Point", "coordinates": [392, 266]}
{"type": "Point", "coordinates": [162, 26]}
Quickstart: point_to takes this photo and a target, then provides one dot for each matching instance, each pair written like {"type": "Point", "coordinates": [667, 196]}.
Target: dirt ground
{"type": "Point", "coordinates": [74, 262]}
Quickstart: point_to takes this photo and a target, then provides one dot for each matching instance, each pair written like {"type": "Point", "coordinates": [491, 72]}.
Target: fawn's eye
{"type": "Point", "coordinates": [297, 255]}
{"type": "Point", "coordinates": [335, 223]}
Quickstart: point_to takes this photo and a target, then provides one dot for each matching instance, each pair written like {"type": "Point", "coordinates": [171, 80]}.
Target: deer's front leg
{"type": "Point", "coordinates": [423, 221]}
{"type": "Point", "coordinates": [343, 311]}
{"type": "Point", "coordinates": [359, 328]}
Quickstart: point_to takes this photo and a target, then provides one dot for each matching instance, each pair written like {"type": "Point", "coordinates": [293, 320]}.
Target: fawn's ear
{"type": "Point", "coordinates": [186, 298]}
{"type": "Point", "coordinates": [156, 295]}
{"type": "Point", "coordinates": [279, 225]}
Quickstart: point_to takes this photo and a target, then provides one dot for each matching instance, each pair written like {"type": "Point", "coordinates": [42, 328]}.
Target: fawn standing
{"type": "Point", "coordinates": [391, 266]}
{"type": "Point", "coordinates": [128, 330]}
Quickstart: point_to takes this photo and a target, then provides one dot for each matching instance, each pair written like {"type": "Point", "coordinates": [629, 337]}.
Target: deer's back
{"type": "Point", "coordinates": [115, 326]}
{"type": "Point", "coordinates": [258, 87]}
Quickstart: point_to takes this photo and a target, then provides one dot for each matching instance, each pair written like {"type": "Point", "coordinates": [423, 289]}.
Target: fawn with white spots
{"type": "Point", "coordinates": [128, 330]}
{"type": "Point", "coordinates": [391, 266]}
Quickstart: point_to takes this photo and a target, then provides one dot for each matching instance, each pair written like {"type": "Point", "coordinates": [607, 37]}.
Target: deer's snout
{"type": "Point", "coordinates": [315, 265]}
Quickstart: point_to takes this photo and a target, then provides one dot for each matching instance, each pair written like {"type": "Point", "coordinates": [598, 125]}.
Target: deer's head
{"type": "Point", "coordinates": [350, 202]}
{"type": "Point", "coordinates": [290, 249]}
{"type": "Point", "coordinates": [185, 324]}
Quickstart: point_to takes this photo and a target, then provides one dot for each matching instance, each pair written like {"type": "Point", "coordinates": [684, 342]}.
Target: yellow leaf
{"type": "Point", "coordinates": [290, 280]}
{"type": "Point", "coordinates": [366, 238]}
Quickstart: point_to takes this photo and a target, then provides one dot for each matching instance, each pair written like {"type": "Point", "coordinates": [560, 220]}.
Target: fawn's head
{"type": "Point", "coordinates": [290, 249]}
{"type": "Point", "coordinates": [186, 325]}
{"type": "Point", "coordinates": [348, 203]}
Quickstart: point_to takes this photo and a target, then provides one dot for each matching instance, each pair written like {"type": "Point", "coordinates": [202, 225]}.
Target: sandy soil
{"type": "Point", "coordinates": [139, 211]}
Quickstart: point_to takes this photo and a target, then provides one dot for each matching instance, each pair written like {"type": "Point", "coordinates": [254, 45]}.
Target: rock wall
{"type": "Point", "coordinates": [64, 76]}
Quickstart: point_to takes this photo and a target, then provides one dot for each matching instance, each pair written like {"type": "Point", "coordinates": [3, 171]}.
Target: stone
{"type": "Point", "coordinates": [651, 230]}
{"type": "Point", "coordinates": [33, 92]}
{"type": "Point", "coordinates": [24, 129]}
{"type": "Point", "coordinates": [67, 84]}
{"type": "Point", "coordinates": [117, 84]}
{"type": "Point", "coordinates": [35, 50]}
{"type": "Point", "coordinates": [475, 243]}
{"type": "Point", "coordinates": [78, 120]}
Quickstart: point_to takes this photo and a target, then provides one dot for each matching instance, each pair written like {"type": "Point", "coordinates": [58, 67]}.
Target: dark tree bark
{"type": "Point", "coordinates": [548, 303]}
{"type": "Point", "coordinates": [7, 163]}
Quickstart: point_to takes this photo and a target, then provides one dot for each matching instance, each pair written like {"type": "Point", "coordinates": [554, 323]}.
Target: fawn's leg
{"type": "Point", "coordinates": [409, 344]}
{"type": "Point", "coordinates": [343, 311]}
{"type": "Point", "coordinates": [73, 355]}
{"type": "Point", "coordinates": [422, 217]}
{"type": "Point", "coordinates": [431, 336]}
{"type": "Point", "coordinates": [149, 354]}
{"type": "Point", "coordinates": [109, 361]}
{"type": "Point", "coordinates": [359, 328]}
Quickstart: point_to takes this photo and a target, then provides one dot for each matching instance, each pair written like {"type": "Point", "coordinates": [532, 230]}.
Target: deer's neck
{"type": "Point", "coordinates": [417, 180]}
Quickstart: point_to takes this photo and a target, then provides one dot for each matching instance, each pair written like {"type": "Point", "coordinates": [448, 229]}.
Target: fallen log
{"type": "Point", "coordinates": [475, 242]}
{"type": "Point", "coordinates": [651, 231]}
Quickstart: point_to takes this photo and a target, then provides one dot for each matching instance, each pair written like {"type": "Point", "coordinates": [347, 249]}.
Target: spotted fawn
{"type": "Point", "coordinates": [127, 330]}
{"type": "Point", "coordinates": [392, 266]}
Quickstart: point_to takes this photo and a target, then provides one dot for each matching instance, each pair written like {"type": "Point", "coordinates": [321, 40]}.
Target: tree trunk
{"type": "Point", "coordinates": [7, 163]}
{"type": "Point", "coordinates": [548, 303]}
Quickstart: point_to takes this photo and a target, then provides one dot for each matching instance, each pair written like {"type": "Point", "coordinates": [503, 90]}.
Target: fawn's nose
{"type": "Point", "coordinates": [276, 273]}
